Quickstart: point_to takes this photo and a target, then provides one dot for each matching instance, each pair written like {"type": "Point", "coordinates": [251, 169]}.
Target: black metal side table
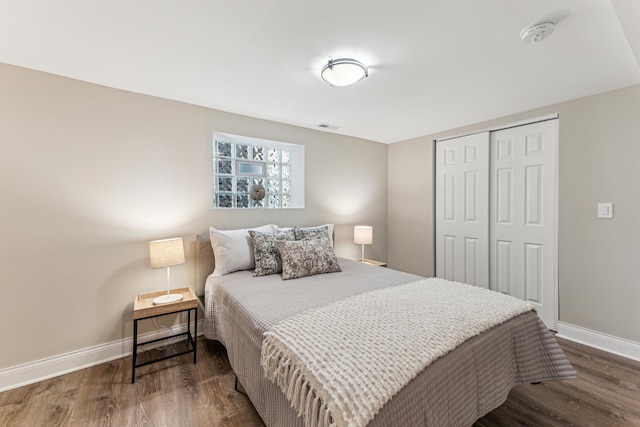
{"type": "Point", "coordinates": [143, 308]}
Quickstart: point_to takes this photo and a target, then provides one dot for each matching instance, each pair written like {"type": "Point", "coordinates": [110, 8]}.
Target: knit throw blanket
{"type": "Point", "coordinates": [340, 363]}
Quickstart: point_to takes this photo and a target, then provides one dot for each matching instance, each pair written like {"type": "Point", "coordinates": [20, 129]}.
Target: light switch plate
{"type": "Point", "coordinates": [605, 210]}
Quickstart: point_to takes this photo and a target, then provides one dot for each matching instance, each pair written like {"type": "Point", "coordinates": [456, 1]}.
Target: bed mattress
{"type": "Point", "coordinates": [454, 390]}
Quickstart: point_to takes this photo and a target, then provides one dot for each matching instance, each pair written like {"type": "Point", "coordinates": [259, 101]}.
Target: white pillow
{"type": "Point", "coordinates": [232, 249]}
{"type": "Point", "coordinates": [329, 226]}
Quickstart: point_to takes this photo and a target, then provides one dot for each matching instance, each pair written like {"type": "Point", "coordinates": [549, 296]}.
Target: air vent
{"type": "Point", "coordinates": [328, 126]}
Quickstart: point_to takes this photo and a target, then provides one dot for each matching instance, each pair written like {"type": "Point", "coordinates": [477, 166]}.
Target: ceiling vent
{"type": "Point", "coordinates": [328, 126]}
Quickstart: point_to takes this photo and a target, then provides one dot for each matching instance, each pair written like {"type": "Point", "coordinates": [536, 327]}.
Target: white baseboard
{"type": "Point", "coordinates": [612, 344]}
{"type": "Point", "coordinates": [32, 372]}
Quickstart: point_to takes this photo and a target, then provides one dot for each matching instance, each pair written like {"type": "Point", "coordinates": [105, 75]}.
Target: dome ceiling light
{"type": "Point", "coordinates": [343, 72]}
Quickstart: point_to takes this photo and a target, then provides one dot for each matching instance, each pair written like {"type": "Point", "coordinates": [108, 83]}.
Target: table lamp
{"type": "Point", "coordinates": [363, 235]}
{"type": "Point", "coordinates": [166, 253]}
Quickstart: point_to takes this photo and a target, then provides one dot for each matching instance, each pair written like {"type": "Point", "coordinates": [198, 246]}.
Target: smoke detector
{"type": "Point", "coordinates": [536, 32]}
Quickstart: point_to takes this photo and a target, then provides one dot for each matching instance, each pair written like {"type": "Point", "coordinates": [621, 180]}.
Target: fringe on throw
{"type": "Point", "coordinates": [304, 398]}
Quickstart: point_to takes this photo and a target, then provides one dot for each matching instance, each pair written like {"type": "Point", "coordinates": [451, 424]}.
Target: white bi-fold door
{"type": "Point", "coordinates": [523, 219]}
{"type": "Point", "coordinates": [520, 193]}
{"type": "Point", "coordinates": [462, 209]}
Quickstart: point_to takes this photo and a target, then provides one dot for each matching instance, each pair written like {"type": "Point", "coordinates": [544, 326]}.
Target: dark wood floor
{"type": "Point", "coordinates": [178, 393]}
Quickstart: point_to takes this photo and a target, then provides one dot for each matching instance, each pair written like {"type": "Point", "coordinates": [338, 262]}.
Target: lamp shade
{"type": "Point", "coordinates": [363, 235]}
{"type": "Point", "coordinates": [166, 252]}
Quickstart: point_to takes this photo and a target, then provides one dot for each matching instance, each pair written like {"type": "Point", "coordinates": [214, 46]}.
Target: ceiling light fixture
{"type": "Point", "coordinates": [343, 72]}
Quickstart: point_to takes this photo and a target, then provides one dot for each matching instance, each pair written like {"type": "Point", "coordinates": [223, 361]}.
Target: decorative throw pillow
{"type": "Point", "coordinates": [266, 254]}
{"type": "Point", "coordinates": [302, 258]}
{"type": "Point", "coordinates": [232, 249]}
{"type": "Point", "coordinates": [311, 233]}
{"type": "Point", "coordinates": [328, 226]}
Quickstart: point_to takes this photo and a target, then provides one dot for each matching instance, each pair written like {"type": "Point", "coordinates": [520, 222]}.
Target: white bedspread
{"type": "Point", "coordinates": [339, 364]}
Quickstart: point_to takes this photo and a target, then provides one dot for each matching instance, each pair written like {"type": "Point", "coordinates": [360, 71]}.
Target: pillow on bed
{"type": "Point", "coordinates": [267, 258]}
{"type": "Point", "coordinates": [310, 233]}
{"type": "Point", "coordinates": [302, 258]}
{"type": "Point", "coordinates": [232, 249]}
{"type": "Point", "coordinates": [329, 230]}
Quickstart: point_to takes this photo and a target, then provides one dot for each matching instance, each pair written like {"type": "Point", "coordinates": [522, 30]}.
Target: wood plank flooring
{"type": "Point", "coordinates": [178, 393]}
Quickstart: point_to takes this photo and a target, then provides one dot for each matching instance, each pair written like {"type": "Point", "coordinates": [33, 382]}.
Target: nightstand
{"type": "Point", "coordinates": [143, 308]}
{"type": "Point", "coordinates": [372, 262]}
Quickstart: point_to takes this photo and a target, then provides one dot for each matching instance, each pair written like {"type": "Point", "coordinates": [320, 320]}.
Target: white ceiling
{"type": "Point", "coordinates": [434, 64]}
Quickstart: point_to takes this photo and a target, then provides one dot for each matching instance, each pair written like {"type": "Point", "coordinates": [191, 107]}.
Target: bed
{"type": "Point", "coordinates": [454, 390]}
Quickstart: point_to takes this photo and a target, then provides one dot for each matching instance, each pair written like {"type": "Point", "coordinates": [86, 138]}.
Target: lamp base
{"type": "Point", "coordinates": [167, 298]}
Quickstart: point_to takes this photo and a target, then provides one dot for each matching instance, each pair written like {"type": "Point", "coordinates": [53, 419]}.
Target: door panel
{"type": "Point", "coordinates": [523, 213]}
{"type": "Point", "coordinates": [496, 208]}
{"type": "Point", "coordinates": [503, 266]}
{"type": "Point", "coordinates": [449, 258]}
{"type": "Point", "coordinates": [462, 209]}
{"type": "Point", "coordinates": [533, 272]}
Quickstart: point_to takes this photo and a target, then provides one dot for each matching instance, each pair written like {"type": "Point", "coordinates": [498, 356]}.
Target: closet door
{"type": "Point", "coordinates": [462, 209]}
{"type": "Point", "coordinates": [523, 215]}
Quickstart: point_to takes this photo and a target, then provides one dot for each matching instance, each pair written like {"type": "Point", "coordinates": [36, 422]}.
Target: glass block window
{"type": "Point", "coordinates": [256, 173]}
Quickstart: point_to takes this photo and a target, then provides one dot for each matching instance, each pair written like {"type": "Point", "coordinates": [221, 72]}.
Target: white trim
{"type": "Point", "coordinates": [609, 343]}
{"type": "Point", "coordinates": [507, 126]}
{"type": "Point", "coordinates": [556, 228]}
{"type": "Point", "coordinates": [32, 372]}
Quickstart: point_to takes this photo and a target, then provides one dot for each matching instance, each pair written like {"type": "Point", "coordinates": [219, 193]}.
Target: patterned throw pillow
{"type": "Point", "coordinates": [311, 233]}
{"type": "Point", "coordinates": [302, 258]}
{"type": "Point", "coordinates": [264, 249]}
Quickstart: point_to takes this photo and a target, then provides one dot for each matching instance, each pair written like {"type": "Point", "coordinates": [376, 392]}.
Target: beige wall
{"type": "Point", "coordinates": [411, 207]}
{"type": "Point", "coordinates": [599, 148]}
{"type": "Point", "coordinates": [89, 175]}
